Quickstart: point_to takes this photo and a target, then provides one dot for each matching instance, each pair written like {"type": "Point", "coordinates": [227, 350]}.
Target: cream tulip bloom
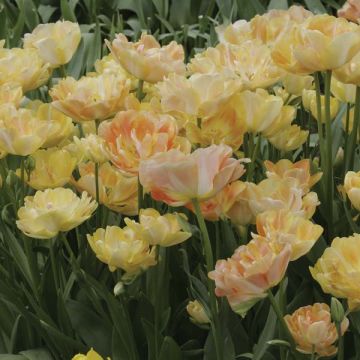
{"type": "Point", "coordinates": [56, 43]}
{"type": "Point", "coordinates": [50, 211]}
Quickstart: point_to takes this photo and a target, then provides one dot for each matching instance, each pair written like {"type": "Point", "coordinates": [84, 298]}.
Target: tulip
{"type": "Point", "coordinates": [90, 98]}
{"type": "Point", "coordinates": [197, 313]}
{"type": "Point", "coordinates": [313, 331]}
{"type": "Point", "coordinates": [295, 84]}
{"type": "Point", "coordinates": [133, 136]}
{"type": "Point", "coordinates": [50, 211]}
{"type": "Point", "coordinates": [146, 59]}
{"type": "Point", "coordinates": [91, 355]}
{"type": "Point", "coordinates": [177, 178]}
{"type": "Point", "coordinates": [284, 227]}
{"type": "Point", "coordinates": [299, 170]}
{"type": "Point", "coordinates": [338, 270]}
{"type": "Point", "coordinates": [122, 249]}
{"type": "Point", "coordinates": [53, 168]}
{"type": "Point", "coordinates": [22, 66]}
{"type": "Point", "coordinates": [309, 103]}
{"type": "Point", "coordinates": [160, 230]}
{"type": "Point", "coordinates": [343, 92]}
{"type": "Point", "coordinates": [252, 270]}
{"type": "Point", "coordinates": [20, 132]}
{"type": "Point", "coordinates": [56, 43]}
{"type": "Point", "coordinates": [309, 47]}
{"type": "Point", "coordinates": [116, 191]}
{"type": "Point", "coordinates": [11, 93]}
{"type": "Point", "coordinates": [200, 95]}
{"type": "Point", "coordinates": [350, 10]}
{"type": "Point", "coordinates": [352, 188]}
{"type": "Point", "coordinates": [93, 148]}
{"type": "Point", "coordinates": [289, 138]}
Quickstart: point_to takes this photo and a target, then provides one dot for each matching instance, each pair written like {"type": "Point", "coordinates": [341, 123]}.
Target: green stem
{"type": "Point", "coordinates": [22, 180]}
{"type": "Point", "coordinates": [354, 132]}
{"type": "Point", "coordinates": [313, 355]}
{"type": "Point", "coordinates": [53, 263]}
{"type": "Point", "coordinates": [139, 91]}
{"type": "Point", "coordinates": [346, 141]}
{"type": "Point", "coordinates": [97, 192]}
{"type": "Point", "coordinates": [319, 115]}
{"type": "Point", "coordinates": [281, 320]}
{"type": "Point", "coordinates": [209, 267]}
{"type": "Point", "coordinates": [63, 71]}
{"type": "Point", "coordinates": [329, 173]}
{"type": "Point", "coordinates": [340, 355]}
{"type": "Point", "coordinates": [140, 196]}
{"type": "Point", "coordinates": [255, 152]}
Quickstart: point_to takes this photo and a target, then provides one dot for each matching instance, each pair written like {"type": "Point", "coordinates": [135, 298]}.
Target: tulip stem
{"type": "Point", "coordinates": [97, 192]}
{"type": "Point", "coordinates": [140, 196]}
{"type": "Point", "coordinates": [22, 180]}
{"type": "Point", "coordinates": [255, 152]}
{"type": "Point", "coordinates": [354, 132]}
{"type": "Point", "coordinates": [280, 317]}
{"type": "Point", "coordinates": [318, 111]}
{"type": "Point", "coordinates": [209, 267]}
{"type": "Point", "coordinates": [139, 91]}
{"type": "Point", "coordinates": [340, 355]}
{"type": "Point", "coordinates": [53, 263]}
{"type": "Point", "coordinates": [313, 355]}
{"type": "Point", "coordinates": [329, 174]}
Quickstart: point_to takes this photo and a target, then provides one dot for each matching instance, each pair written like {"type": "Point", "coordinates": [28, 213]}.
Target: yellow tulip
{"type": "Point", "coordinates": [11, 93]}
{"type": "Point", "coordinates": [20, 132]}
{"type": "Point", "coordinates": [91, 355]}
{"type": "Point", "coordinates": [22, 66]}
{"type": "Point", "coordinates": [309, 103]}
{"type": "Point", "coordinates": [349, 73]}
{"type": "Point", "coordinates": [164, 230]}
{"type": "Point", "coordinates": [343, 92]}
{"type": "Point", "coordinates": [50, 211]}
{"type": "Point", "coordinates": [90, 98]}
{"type": "Point", "coordinates": [284, 227]}
{"type": "Point", "coordinates": [93, 148]}
{"type": "Point", "coordinates": [313, 330]}
{"type": "Point", "coordinates": [146, 59]}
{"type": "Point", "coordinates": [252, 270]}
{"type": "Point", "coordinates": [311, 46]}
{"type": "Point", "coordinates": [199, 95]}
{"type": "Point", "coordinates": [352, 188]}
{"type": "Point", "coordinates": [60, 126]}
{"type": "Point", "coordinates": [338, 270]}
{"type": "Point", "coordinates": [295, 84]}
{"type": "Point", "coordinates": [289, 138]}
{"type": "Point", "coordinates": [299, 170]}
{"type": "Point", "coordinates": [56, 43]}
{"type": "Point", "coordinates": [197, 313]}
{"type": "Point", "coordinates": [53, 168]}
{"type": "Point", "coordinates": [116, 191]}
{"type": "Point", "coordinates": [257, 110]}
{"type": "Point", "coordinates": [122, 248]}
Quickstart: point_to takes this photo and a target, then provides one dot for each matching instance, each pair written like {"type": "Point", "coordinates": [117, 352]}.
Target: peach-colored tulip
{"type": "Point", "coordinates": [222, 128]}
{"type": "Point", "coordinates": [311, 46]}
{"type": "Point", "coordinates": [177, 178]}
{"type": "Point", "coordinates": [116, 191]}
{"type": "Point", "coordinates": [251, 271]}
{"type": "Point", "coordinates": [90, 98]}
{"type": "Point", "coordinates": [285, 227]}
{"type": "Point", "coordinates": [133, 136]}
{"type": "Point", "coordinates": [338, 270]}
{"type": "Point", "coordinates": [146, 59]}
{"type": "Point", "coordinates": [352, 188]}
{"type": "Point", "coordinates": [199, 95]}
{"type": "Point", "coordinates": [299, 170]}
{"type": "Point", "coordinates": [251, 62]}
{"type": "Point", "coordinates": [313, 330]}
{"type": "Point", "coordinates": [350, 10]}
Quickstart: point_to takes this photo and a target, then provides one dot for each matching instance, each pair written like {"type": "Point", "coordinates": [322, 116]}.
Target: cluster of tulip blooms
{"type": "Point", "coordinates": [146, 129]}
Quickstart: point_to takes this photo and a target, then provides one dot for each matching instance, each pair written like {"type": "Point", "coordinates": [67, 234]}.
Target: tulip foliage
{"type": "Point", "coordinates": [167, 206]}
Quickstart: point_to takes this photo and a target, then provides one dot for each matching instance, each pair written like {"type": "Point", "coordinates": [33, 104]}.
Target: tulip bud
{"type": "Point", "coordinates": [337, 310]}
{"type": "Point", "coordinates": [119, 288]}
{"type": "Point", "coordinates": [11, 179]}
{"type": "Point", "coordinates": [197, 313]}
{"type": "Point", "coordinates": [29, 164]}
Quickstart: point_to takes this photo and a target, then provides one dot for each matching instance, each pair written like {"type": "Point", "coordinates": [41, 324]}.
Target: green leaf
{"type": "Point", "coordinates": [315, 6]}
{"type": "Point", "coordinates": [37, 354]}
{"type": "Point", "coordinates": [278, 4]}
{"type": "Point", "coordinates": [45, 12]}
{"type": "Point", "coordinates": [66, 11]}
{"type": "Point", "coordinates": [170, 350]}
{"type": "Point", "coordinates": [336, 129]}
